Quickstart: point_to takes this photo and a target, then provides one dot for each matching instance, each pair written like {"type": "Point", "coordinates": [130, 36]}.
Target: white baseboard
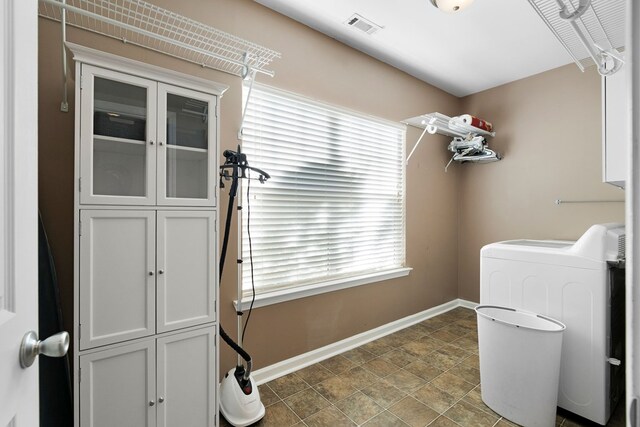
{"type": "Point", "coordinates": [293, 364]}
{"type": "Point", "coordinates": [467, 304]}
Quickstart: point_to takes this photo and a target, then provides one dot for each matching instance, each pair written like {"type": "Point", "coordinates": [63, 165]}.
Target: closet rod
{"type": "Point", "coordinates": [562, 202]}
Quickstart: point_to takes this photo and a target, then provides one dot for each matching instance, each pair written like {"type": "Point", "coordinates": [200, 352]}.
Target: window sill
{"type": "Point", "coordinates": [275, 297]}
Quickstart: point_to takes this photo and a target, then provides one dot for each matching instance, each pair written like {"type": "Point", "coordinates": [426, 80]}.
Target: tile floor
{"type": "Point", "coordinates": [424, 375]}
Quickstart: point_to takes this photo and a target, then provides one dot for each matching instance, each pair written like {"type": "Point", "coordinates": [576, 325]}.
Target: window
{"type": "Point", "coordinates": [333, 209]}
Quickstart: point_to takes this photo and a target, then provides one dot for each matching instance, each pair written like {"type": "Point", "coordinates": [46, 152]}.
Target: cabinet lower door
{"type": "Point", "coordinates": [117, 276]}
{"type": "Point", "coordinates": [186, 378]}
{"type": "Point", "coordinates": [186, 251]}
{"type": "Point", "coordinates": [117, 387]}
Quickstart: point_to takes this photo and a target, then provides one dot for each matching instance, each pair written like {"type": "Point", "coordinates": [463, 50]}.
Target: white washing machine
{"type": "Point", "coordinates": [582, 285]}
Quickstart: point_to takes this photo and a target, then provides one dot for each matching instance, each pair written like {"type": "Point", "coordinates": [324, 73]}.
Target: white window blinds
{"type": "Point", "coordinates": [334, 206]}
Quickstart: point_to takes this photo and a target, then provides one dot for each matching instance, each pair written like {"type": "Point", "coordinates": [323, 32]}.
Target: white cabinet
{"type": "Point", "coordinates": [146, 281]}
{"type": "Point", "coordinates": [144, 142]}
{"type": "Point", "coordinates": [144, 272]}
{"type": "Point", "coordinates": [168, 381]}
{"type": "Point", "coordinates": [615, 128]}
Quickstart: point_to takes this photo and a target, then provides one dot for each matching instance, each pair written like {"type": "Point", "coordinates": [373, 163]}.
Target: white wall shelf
{"type": "Point", "coordinates": [445, 125]}
{"type": "Point", "coordinates": [454, 127]}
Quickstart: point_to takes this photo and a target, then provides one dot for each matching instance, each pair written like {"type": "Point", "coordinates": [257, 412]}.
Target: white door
{"type": "Point", "coordinates": [117, 276]}
{"type": "Point", "coordinates": [633, 217]}
{"type": "Point", "coordinates": [186, 378]}
{"type": "Point", "coordinates": [186, 257]}
{"type": "Point", "coordinates": [615, 130]}
{"type": "Point", "coordinates": [18, 209]}
{"type": "Point", "coordinates": [118, 387]}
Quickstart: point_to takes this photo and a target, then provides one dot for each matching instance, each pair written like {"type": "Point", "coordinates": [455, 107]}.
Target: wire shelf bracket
{"type": "Point", "coordinates": [591, 31]}
{"type": "Point", "coordinates": [143, 24]}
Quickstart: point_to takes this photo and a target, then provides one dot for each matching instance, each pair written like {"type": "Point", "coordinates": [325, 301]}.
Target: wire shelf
{"type": "Point", "coordinates": [152, 27]}
{"type": "Point", "coordinates": [602, 24]}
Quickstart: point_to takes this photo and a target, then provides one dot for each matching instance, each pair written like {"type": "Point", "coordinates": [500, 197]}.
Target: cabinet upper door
{"type": "Point", "coordinates": [117, 276]}
{"type": "Point", "coordinates": [187, 147]}
{"type": "Point", "coordinates": [117, 138]}
{"type": "Point", "coordinates": [118, 385]}
{"type": "Point", "coordinates": [186, 379]}
{"type": "Point", "coordinates": [186, 254]}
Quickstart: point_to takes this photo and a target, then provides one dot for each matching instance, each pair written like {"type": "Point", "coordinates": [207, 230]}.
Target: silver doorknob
{"type": "Point", "coordinates": [54, 346]}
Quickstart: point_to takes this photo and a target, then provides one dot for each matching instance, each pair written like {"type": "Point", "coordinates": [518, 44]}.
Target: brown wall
{"type": "Point", "coordinates": [312, 65]}
{"type": "Point", "coordinates": [548, 127]}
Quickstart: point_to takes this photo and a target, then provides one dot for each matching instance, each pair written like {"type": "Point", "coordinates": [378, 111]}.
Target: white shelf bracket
{"type": "Point", "coordinates": [570, 16]}
{"type": "Point", "coordinates": [608, 63]}
{"type": "Point", "coordinates": [417, 143]}
{"type": "Point", "coordinates": [592, 31]}
{"type": "Point", "coordinates": [247, 74]}
{"type": "Point", "coordinates": [64, 105]}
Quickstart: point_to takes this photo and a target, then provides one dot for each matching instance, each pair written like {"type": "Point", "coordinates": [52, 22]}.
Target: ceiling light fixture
{"type": "Point", "coordinates": [451, 6]}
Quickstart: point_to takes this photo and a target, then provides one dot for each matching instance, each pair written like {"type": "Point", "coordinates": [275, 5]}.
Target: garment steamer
{"type": "Point", "coordinates": [239, 396]}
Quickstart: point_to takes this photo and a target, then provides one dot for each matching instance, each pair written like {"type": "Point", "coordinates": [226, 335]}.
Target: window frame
{"type": "Point", "coordinates": [275, 296]}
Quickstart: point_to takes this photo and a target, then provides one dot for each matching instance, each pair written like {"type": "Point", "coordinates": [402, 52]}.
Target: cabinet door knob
{"type": "Point", "coordinates": [151, 143]}
{"type": "Point", "coordinates": [151, 403]}
{"type": "Point", "coordinates": [151, 273]}
{"type": "Point", "coordinates": [161, 399]}
{"type": "Point", "coordinates": [160, 271]}
{"type": "Point", "coordinates": [160, 143]}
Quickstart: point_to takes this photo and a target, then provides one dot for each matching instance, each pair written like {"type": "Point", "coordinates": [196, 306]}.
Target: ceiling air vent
{"type": "Point", "coordinates": [363, 24]}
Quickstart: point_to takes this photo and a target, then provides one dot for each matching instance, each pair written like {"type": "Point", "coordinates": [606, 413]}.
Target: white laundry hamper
{"type": "Point", "coordinates": [519, 364]}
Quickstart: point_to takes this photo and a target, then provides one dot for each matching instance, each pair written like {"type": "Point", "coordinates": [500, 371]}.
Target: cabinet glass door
{"type": "Point", "coordinates": [186, 144]}
{"type": "Point", "coordinates": [117, 134]}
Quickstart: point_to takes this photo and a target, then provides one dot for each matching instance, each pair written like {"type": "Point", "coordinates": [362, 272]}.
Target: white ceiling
{"type": "Point", "coordinates": [490, 43]}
